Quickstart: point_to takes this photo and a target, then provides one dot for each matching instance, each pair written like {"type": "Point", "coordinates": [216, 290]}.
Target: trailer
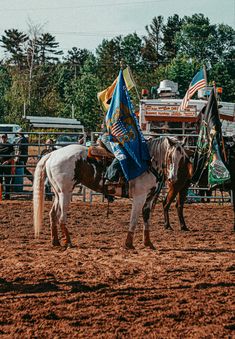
{"type": "Point", "coordinates": [159, 115]}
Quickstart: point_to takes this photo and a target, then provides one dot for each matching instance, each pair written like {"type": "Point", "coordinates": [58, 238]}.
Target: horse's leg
{"type": "Point", "coordinates": [147, 213]}
{"type": "Point", "coordinates": [171, 194]}
{"type": "Point", "coordinates": [180, 206]}
{"type": "Point", "coordinates": [233, 197]}
{"type": "Point", "coordinates": [53, 222]}
{"type": "Point", "coordinates": [137, 205]}
{"type": "Point", "coordinates": [64, 200]}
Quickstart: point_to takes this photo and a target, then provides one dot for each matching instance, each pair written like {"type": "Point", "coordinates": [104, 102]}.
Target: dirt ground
{"type": "Point", "coordinates": [98, 289]}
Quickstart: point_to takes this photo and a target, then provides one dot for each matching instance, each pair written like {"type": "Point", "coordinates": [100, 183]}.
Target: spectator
{"type": "Point", "coordinates": [49, 147]}
{"type": "Point", "coordinates": [81, 140]}
{"type": "Point", "coordinates": [22, 153]}
{"type": "Point", "coordinates": [6, 156]}
{"type": "Point", "coordinates": [165, 128]}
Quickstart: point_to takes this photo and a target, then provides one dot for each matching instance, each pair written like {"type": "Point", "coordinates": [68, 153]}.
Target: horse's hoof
{"type": "Point", "coordinates": [55, 243]}
{"type": "Point", "coordinates": [150, 245]}
{"type": "Point", "coordinates": [129, 246]}
{"type": "Point", "coordinates": [69, 245]}
{"type": "Point", "coordinates": [168, 228]}
{"type": "Point", "coordinates": [185, 229]}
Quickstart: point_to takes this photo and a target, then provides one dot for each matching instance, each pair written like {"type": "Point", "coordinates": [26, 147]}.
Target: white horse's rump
{"type": "Point", "coordinates": [59, 164]}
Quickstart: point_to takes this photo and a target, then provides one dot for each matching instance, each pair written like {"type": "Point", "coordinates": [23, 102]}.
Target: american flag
{"type": "Point", "coordinates": [197, 83]}
{"type": "Point", "coordinates": [118, 129]}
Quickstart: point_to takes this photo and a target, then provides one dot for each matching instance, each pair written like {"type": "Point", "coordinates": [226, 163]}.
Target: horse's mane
{"type": "Point", "coordinates": [160, 147]}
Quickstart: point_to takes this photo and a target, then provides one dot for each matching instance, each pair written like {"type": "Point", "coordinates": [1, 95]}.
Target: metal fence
{"type": "Point", "coordinates": [21, 175]}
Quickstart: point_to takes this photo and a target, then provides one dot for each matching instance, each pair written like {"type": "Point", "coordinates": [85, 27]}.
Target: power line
{"type": "Point", "coordinates": [97, 33]}
{"type": "Point", "coordinates": [83, 6]}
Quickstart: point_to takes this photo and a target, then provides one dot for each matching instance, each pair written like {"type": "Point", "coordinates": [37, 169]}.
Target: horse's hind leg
{"type": "Point", "coordinates": [137, 205]}
{"type": "Point", "coordinates": [180, 207]}
{"type": "Point", "coordinates": [233, 198]}
{"type": "Point", "coordinates": [147, 212]}
{"type": "Point", "coordinates": [167, 203]}
{"type": "Point", "coordinates": [64, 200]}
{"type": "Point", "coordinates": [53, 222]}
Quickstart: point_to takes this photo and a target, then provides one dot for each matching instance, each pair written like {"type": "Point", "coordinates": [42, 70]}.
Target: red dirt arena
{"type": "Point", "coordinates": [97, 289]}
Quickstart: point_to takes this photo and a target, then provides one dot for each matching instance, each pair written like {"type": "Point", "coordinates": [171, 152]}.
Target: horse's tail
{"type": "Point", "coordinates": [38, 194]}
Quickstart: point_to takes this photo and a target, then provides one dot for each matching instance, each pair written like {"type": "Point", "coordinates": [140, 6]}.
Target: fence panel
{"type": "Point", "coordinates": [20, 179]}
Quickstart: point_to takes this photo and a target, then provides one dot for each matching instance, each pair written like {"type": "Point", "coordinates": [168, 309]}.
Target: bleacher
{"type": "Point", "coordinates": [54, 122]}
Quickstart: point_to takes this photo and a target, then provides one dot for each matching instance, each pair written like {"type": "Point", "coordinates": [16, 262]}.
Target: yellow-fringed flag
{"type": "Point", "coordinates": [105, 96]}
{"type": "Point", "coordinates": [129, 81]}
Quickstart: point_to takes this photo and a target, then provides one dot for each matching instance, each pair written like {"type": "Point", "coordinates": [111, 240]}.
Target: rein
{"type": "Point", "coordinates": [158, 176]}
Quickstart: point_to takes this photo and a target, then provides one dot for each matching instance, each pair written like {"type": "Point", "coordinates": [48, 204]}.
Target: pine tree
{"type": "Point", "coordinates": [13, 43]}
{"type": "Point", "coordinates": [48, 49]}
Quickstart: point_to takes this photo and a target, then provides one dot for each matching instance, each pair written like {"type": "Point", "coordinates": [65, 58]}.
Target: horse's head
{"type": "Point", "coordinates": [174, 156]}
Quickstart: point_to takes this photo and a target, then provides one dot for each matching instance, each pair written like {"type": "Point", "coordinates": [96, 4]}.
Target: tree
{"type": "Point", "coordinates": [152, 51]}
{"type": "Point", "coordinates": [169, 30]}
{"type": "Point", "coordinates": [5, 85]}
{"type": "Point", "coordinates": [16, 95]}
{"type": "Point", "coordinates": [82, 94]}
{"type": "Point", "coordinates": [182, 70]}
{"type": "Point", "coordinates": [76, 58]}
{"type": "Point", "coordinates": [48, 49]}
{"type": "Point", "coordinates": [221, 74]}
{"type": "Point", "coordinates": [131, 51]}
{"type": "Point", "coordinates": [32, 53]}
{"type": "Point", "coordinates": [196, 38]}
{"type": "Point", "coordinates": [223, 46]}
{"type": "Point", "coordinates": [108, 60]}
{"type": "Point", "coordinates": [13, 42]}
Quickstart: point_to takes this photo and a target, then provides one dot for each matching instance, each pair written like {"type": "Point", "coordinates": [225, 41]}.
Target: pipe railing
{"type": "Point", "coordinates": [21, 185]}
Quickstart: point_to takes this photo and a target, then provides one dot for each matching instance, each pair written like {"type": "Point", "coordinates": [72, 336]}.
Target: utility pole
{"type": "Point", "coordinates": [72, 111]}
{"type": "Point", "coordinates": [24, 110]}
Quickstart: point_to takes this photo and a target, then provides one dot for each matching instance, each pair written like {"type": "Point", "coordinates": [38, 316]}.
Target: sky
{"type": "Point", "coordinates": [85, 23]}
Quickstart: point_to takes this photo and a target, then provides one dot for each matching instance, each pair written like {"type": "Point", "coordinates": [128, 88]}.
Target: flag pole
{"type": "Point", "coordinates": [222, 137]}
{"type": "Point", "coordinates": [132, 78]}
{"type": "Point", "coordinates": [205, 74]}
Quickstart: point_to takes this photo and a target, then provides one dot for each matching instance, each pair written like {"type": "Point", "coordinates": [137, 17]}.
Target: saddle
{"type": "Point", "coordinates": [99, 152]}
{"type": "Point", "coordinates": [121, 188]}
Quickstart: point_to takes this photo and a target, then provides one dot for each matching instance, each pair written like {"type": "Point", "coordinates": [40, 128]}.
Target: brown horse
{"type": "Point", "coordinates": [175, 189]}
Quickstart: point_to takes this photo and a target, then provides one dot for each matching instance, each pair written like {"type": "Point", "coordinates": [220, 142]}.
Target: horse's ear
{"type": "Point", "coordinates": [184, 141]}
{"type": "Point", "coordinates": [148, 137]}
{"type": "Point", "coordinates": [171, 142]}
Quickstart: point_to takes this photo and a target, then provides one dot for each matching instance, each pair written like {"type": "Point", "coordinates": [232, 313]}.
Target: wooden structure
{"type": "Point", "coordinates": [156, 114]}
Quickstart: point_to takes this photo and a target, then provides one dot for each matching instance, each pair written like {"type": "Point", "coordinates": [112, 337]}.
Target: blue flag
{"type": "Point", "coordinates": [127, 141]}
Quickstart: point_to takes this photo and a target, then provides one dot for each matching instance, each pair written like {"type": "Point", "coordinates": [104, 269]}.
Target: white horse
{"type": "Point", "coordinates": [70, 165]}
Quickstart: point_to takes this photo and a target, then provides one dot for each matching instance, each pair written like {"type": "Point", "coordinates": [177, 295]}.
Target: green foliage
{"type": "Point", "coordinates": [182, 70]}
{"type": "Point", "coordinates": [196, 38]}
{"type": "Point", "coordinates": [152, 51]}
{"type": "Point", "coordinates": [76, 58]}
{"type": "Point", "coordinates": [169, 30]}
{"type": "Point", "coordinates": [108, 60]}
{"type": "Point", "coordinates": [221, 73]}
{"type": "Point", "coordinates": [5, 85]}
{"type": "Point", "coordinates": [34, 74]}
{"type": "Point", "coordinates": [47, 49]}
{"type": "Point", "coordinates": [83, 96]}
{"type": "Point", "coordinates": [131, 51]}
{"type": "Point", "coordinates": [13, 43]}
